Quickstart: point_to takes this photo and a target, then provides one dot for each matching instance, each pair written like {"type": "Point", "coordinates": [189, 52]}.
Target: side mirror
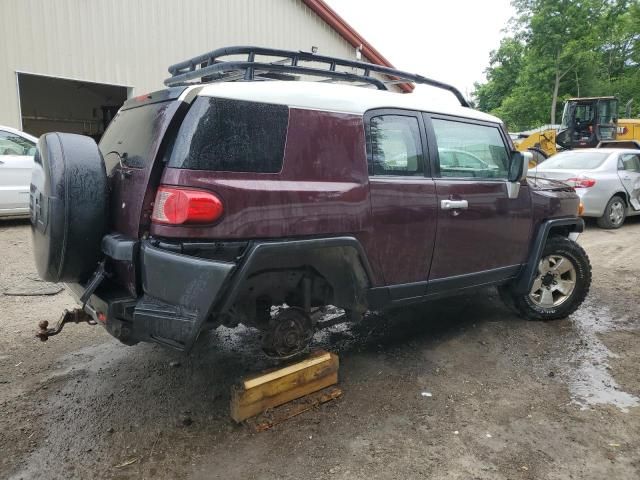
{"type": "Point", "coordinates": [519, 166]}
{"type": "Point", "coordinates": [518, 169]}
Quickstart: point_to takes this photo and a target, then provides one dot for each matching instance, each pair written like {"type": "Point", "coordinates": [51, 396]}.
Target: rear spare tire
{"type": "Point", "coordinates": [69, 198]}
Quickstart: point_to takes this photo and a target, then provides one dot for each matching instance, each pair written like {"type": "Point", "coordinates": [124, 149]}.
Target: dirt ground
{"type": "Point", "coordinates": [509, 399]}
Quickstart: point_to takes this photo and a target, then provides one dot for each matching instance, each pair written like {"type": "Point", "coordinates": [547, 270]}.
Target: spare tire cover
{"type": "Point", "coordinates": [68, 206]}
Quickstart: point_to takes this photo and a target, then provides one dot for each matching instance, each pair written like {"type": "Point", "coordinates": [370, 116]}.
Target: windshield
{"type": "Point", "coordinates": [575, 160]}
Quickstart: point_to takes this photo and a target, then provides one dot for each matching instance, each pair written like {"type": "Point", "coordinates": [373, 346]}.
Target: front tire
{"type": "Point", "coordinates": [561, 283]}
{"type": "Point", "coordinates": [614, 213]}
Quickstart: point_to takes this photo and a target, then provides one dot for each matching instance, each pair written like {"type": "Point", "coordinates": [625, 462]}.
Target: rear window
{"type": "Point", "coordinates": [573, 160]}
{"type": "Point", "coordinates": [231, 135]}
{"type": "Point", "coordinates": [132, 135]}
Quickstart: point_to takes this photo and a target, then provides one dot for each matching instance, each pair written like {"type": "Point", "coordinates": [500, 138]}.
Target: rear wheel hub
{"type": "Point", "coordinates": [288, 334]}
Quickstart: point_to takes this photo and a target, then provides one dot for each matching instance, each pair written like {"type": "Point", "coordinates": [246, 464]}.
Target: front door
{"type": "Point", "coordinates": [629, 173]}
{"type": "Point", "coordinates": [403, 199]}
{"type": "Point", "coordinates": [483, 235]}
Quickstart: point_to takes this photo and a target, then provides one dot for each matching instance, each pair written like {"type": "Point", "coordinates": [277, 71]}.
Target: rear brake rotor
{"type": "Point", "coordinates": [288, 334]}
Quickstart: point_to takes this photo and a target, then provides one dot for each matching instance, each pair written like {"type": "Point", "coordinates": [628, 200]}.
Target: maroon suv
{"type": "Point", "coordinates": [243, 187]}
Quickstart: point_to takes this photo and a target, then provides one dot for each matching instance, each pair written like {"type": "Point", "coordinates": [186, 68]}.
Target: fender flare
{"type": "Point", "coordinates": [524, 281]}
{"type": "Point", "coordinates": [259, 252]}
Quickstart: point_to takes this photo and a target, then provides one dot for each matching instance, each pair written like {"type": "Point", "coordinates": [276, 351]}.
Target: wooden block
{"type": "Point", "coordinates": [270, 418]}
{"type": "Point", "coordinates": [271, 389]}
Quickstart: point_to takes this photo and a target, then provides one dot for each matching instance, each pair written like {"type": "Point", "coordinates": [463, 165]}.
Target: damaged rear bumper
{"type": "Point", "coordinates": [178, 294]}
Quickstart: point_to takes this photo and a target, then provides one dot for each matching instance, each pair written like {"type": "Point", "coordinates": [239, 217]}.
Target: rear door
{"type": "Point", "coordinates": [403, 199]}
{"type": "Point", "coordinates": [629, 173]}
{"type": "Point", "coordinates": [131, 148]}
{"type": "Point", "coordinates": [16, 163]}
{"type": "Point", "coordinates": [483, 235]}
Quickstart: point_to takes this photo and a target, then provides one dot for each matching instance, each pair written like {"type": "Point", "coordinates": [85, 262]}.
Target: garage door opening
{"type": "Point", "coordinates": [50, 104]}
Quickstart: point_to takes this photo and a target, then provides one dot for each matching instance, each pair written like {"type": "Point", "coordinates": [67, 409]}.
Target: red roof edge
{"type": "Point", "coordinates": [335, 21]}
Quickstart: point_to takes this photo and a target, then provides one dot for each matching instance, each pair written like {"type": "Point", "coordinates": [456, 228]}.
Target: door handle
{"type": "Point", "coordinates": [454, 204]}
{"type": "Point", "coordinates": [1, 162]}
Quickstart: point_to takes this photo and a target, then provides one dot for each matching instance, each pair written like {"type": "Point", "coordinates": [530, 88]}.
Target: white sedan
{"type": "Point", "coordinates": [606, 179]}
{"type": "Point", "coordinates": [16, 162]}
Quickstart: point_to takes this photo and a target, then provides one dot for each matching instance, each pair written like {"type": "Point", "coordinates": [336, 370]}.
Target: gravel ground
{"type": "Point", "coordinates": [509, 399]}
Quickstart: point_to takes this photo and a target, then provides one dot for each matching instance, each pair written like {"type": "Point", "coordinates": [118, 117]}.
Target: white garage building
{"type": "Point", "coordinates": [68, 65]}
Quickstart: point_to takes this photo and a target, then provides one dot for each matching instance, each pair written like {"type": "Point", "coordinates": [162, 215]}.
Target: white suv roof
{"type": "Point", "coordinates": [333, 97]}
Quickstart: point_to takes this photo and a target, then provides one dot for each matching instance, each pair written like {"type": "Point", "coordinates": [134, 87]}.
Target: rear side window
{"type": "Point", "coordinates": [396, 148]}
{"type": "Point", "coordinates": [630, 162]}
{"type": "Point", "coordinates": [470, 150]}
{"type": "Point", "coordinates": [231, 135]}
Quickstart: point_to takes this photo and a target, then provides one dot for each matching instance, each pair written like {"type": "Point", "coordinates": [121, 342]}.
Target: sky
{"type": "Point", "coordinates": [447, 40]}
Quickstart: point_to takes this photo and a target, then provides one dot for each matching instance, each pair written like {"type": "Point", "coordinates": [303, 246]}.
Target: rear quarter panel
{"type": "Point", "coordinates": [595, 198]}
{"type": "Point", "coordinates": [322, 189]}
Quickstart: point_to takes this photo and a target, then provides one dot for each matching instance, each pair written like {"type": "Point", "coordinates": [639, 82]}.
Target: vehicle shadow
{"type": "Point", "coordinates": [142, 401]}
{"type": "Point", "coordinates": [592, 223]}
{"type": "Point", "coordinates": [425, 323]}
{"type": "Point", "coordinates": [13, 222]}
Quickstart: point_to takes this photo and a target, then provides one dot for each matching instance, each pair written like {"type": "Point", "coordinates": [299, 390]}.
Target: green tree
{"type": "Point", "coordinates": [554, 49]}
{"type": "Point", "coordinates": [504, 67]}
{"type": "Point", "coordinates": [559, 35]}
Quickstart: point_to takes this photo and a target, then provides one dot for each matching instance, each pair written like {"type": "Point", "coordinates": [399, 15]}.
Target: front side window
{"type": "Point", "coordinates": [12, 144]}
{"type": "Point", "coordinates": [470, 150]}
{"type": "Point", "coordinates": [231, 135]}
{"type": "Point", "coordinates": [396, 147]}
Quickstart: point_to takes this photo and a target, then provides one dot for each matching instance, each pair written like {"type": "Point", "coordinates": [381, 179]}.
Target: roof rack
{"type": "Point", "coordinates": [210, 68]}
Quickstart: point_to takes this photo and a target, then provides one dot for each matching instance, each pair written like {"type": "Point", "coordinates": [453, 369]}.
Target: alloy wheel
{"type": "Point", "coordinates": [555, 282]}
{"type": "Point", "coordinates": [616, 212]}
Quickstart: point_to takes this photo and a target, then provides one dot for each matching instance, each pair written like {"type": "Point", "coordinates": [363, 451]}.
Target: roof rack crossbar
{"type": "Point", "coordinates": [218, 71]}
{"type": "Point", "coordinates": [210, 65]}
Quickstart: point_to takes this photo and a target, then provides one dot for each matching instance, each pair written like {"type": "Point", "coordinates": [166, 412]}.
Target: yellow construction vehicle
{"type": "Point", "coordinates": [587, 122]}
{"type": "Point", "coordinates": [628, 133]}
{"type": "Point", "coordinates": [541, 143]}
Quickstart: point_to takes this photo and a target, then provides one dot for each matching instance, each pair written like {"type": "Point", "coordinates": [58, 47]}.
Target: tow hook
{"type": "Point", "coordinates": [77, 315]}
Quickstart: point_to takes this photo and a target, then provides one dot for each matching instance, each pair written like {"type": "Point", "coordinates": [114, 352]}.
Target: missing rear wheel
{"type": "Point", "coordinates": [288, 334]}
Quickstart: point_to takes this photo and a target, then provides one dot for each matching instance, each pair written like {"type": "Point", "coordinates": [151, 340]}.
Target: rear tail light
{"type": "Point", "coordinates": [581, 182]}
{"type": "Point", "coordinates": [179, 206]}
